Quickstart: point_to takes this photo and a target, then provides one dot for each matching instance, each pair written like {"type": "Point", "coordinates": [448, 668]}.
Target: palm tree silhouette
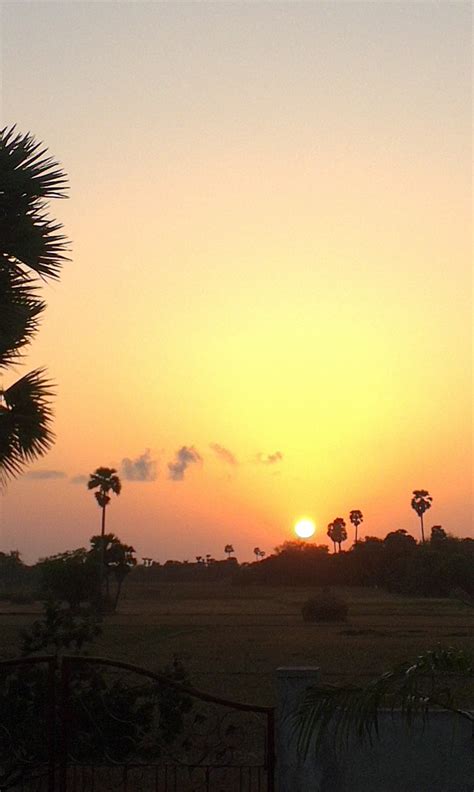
{"type": "Point", "coordinates": [229, 549]}
{"type": "Point", "coordinates": [421, 502]}
{"type": "Point", "coordinates": [330, 533]}
{"type": "Point", "coordinates": [356, 517]}
{"type": "Point", "coordinates": [31, 249]}
{"type": "Point", "coordinates": [258, 553]}
{"type": "Point", "coordinates": [337, 532]}
{"type": "Point", "coordinates": [104, 480]}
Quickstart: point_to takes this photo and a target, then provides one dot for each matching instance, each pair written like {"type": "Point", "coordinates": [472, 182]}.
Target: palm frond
{"type": "Point", "coordinates": [102, 499]}
{"type": "Point", "coordinates": [20, 308]}
{"type": "Point", "coordinates": [28, 178]}
{"type": "Point", "coordinates": [25, 423]}
{"type": "Point", "coordinates": [105, 479]}
{"type": "Point", "coordinates": [26, 170]}
{"type": "Point", "coordinates": [353, 712]}
{"type": "Point", "coordinates": [33, 240]}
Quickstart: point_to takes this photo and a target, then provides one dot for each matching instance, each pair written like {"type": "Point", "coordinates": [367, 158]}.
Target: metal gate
{"type": "Point", "coordinates": [88, 724]}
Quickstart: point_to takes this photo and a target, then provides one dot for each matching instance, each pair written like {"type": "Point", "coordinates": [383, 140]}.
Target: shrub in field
{"type": "Point", "coordinates": [325, 607]}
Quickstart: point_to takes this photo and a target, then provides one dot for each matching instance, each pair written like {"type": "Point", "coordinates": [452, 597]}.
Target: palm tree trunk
{"type": "Point", "coordinates": [422, 529]}
{"type": "Point", "coordinates": [102, 552]}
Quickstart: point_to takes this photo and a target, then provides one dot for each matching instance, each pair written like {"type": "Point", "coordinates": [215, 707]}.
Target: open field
{"type": "Point", "coordinates": [232, 638]}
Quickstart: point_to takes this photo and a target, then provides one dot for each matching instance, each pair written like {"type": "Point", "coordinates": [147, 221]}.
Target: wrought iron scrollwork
{"type": "Point", "coordinates": [26, 722]}
{"type": "Point", "coordinates": [92, 724]}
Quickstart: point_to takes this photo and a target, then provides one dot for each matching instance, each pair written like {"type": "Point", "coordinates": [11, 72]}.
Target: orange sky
{"type": "Point", "coordinates": [270, 215]}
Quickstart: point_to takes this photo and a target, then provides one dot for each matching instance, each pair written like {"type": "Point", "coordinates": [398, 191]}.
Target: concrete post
{"type": "Point", "coordinates": [292, 774]}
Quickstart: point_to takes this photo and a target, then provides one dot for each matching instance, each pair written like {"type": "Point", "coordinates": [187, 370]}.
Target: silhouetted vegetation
{"type": "Point", "coordinates": [434, 679]}
{"type": "Point", "coordinates": [356, 517]}
{"type": "Point", "coordinates": [60, 629]}
{"type": "Point", "coordinates": [259, 554]}
{"type": "Point", "coordinates": [325, 607]}
{"type": "Point", "coordinates": [13, 574]}
{"type": "Point", "coordinates": [421, 502]}
{"type": "Point", "coordinates": [229, 549]}
{"type": "Point", "coordinates": [112, 718]}
{"type": "Point", "coordinates": [75, 577]}
{"type": "Point", "coordinates": [104, 480]}
{"type": "Point", "coordinates": [337, 532]}
{"type": "Point", "coordinates": [71, 577]}
{"type": "Point", "coordinates": [31, 250]}
{"type": "Point", "coordinates": [118, 560]}
{"type": "Point", "coordinates": [397, 563]}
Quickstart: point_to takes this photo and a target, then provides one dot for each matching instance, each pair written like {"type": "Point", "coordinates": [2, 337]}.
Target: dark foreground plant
{"type": "Point", "coordinates": [32, 250]}
{"type": "Point", "coordinates": [114, 715]}
{"type": "Point", "coordinates": [60, 629]}
{"type": "Point", "coordinates": [436, 679]}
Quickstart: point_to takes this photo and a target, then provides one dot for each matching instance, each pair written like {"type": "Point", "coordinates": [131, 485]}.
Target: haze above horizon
{"type": "Point", "coordinates": [268, 309]}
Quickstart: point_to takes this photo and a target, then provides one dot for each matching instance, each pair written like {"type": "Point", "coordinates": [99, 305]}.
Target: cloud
{"type": "Point", "coordinates": [269, 459]}
{"type": "Point", "coordinates": [223, 453]}
{"type": "Point", "coordinates": [45, 474]}
{"type": "Point", "coordinates": [80, 479]}
{"type": "Point", "coordinates": [143, 468]}
{"type": "Point", "coordinates": [183, 458]}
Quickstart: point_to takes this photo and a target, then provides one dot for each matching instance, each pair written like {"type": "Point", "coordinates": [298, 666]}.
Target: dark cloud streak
{"type": "Point", "coordinates": [80, 479]}
{"type": "Point", "coordinates": [44, 475]}
{"type": "Point", "coordinates": [269, 459]}
{"type": "Point", "coordinates": [223, 453]}
{"type": "Point", "coordinates": [187, 455]}
{"type": "Point", "coordinates": [143, 468]}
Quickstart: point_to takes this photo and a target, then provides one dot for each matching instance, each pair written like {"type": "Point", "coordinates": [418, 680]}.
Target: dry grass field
{"type": "Point", "coordinates": [231, 639]}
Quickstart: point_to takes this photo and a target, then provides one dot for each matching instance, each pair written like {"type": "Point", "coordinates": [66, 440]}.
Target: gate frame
{"type": "Point", "coordinates": [51, 661]}
{"type": "Point", "coordinates": [58, 713]}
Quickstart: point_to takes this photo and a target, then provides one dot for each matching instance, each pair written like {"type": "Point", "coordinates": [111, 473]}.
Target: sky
{"type": "Point", "coordinates": [267, 312]}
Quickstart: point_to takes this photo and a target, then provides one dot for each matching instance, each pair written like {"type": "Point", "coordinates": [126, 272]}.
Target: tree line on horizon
{"type": "Point", "coordinates": [398, 563]}
{"type": "Point", "coordinates": [438, 567]}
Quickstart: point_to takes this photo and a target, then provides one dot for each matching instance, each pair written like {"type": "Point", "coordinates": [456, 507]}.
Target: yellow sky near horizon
{"type": "Point", "coordinates": [270, 215]}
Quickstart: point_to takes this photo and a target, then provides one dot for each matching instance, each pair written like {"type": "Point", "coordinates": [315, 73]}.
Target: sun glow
{"type": "Point", "coordinates": [305, 528]}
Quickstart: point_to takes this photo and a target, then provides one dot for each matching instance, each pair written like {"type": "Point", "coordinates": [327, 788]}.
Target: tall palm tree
{"type": "Point", "coordinates": [229, 549]}
{"type": "Point", "coordinates": [356, 517]}
{"type": "Point", "coordinates": [32, 250]}
{"type": "Point", "coordinates": [104, 480]}
{"type": "Point", "coordinates": [337, 532]}
{"type": "Point", "coordinates": [330, 533]}
{"type": "Point", "coordinates": [421, 502]}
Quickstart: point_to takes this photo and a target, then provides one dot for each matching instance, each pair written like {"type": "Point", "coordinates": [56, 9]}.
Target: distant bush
{"type": "Point", "coordinates": [325, 607]}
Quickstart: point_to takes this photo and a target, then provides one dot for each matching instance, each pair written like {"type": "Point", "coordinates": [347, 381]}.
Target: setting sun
{"type": "Point", "coordinates": [305, 528]}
